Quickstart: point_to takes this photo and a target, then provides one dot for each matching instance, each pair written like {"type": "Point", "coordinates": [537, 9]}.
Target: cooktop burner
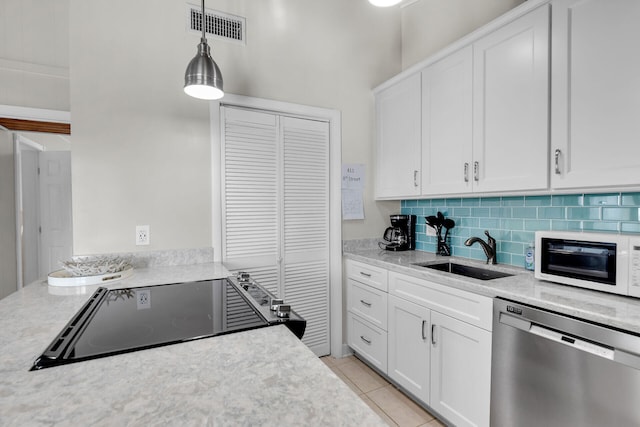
{"type": "Point", "coordinates": [124, 320]}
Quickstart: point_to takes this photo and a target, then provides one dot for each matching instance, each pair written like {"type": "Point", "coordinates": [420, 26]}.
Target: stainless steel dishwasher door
{"type": "Point", "coordinates": [551, 370]}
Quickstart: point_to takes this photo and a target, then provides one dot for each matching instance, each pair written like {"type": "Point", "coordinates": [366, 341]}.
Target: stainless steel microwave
{"type": "Point", "coordinates": [598, 261]}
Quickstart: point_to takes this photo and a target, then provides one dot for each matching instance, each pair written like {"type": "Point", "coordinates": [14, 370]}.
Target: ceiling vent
{"type": "Point", "coordinates": [217, 24]}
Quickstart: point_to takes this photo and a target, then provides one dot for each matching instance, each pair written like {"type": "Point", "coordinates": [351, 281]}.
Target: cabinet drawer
{"type": "Point", "coordinates": [466, 306]}
{"type": "Point", "coordinates": [367, 274]}
{"type": "Point", "coordinates": [368, 341]}
{"type": "Point", "coordinates": [368, 303]}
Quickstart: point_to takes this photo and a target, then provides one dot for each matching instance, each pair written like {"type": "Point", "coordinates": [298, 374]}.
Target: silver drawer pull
{"type": "Point", "coordinates": [368, 304]}
{"type": "Point", "coordinates": [365, 339]}
{"type": "Point", "coordinates": [466, 172]}
{"type": "Point", "coordinates": [365, 274]}
{"type": "Point", "coordinates": [424, 335]}
{"type": "Point", "coordinates": [433, 334]}
{"type": "Point", "coordinates": [557, 161]}
{"type": "Point", "coordinates": [476, 171]}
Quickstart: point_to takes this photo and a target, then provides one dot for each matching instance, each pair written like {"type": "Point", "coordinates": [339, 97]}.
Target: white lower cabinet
{"type": "Point", "coordinates": [408, 346]}
{"type": "Point", "coordinates": [434, 341]}
{"type": "Point", "coordinates": [460, 371]}
{"type": "Point", "coordinates": [367, 312]}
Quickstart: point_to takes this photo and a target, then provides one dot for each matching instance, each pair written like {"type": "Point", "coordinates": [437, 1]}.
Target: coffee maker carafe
{"type": "Point", "coordinates": [401, 236]}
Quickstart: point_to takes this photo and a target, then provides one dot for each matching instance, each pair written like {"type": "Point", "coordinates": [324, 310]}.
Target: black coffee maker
{"type": "Point", "coordinates": [401, 236]}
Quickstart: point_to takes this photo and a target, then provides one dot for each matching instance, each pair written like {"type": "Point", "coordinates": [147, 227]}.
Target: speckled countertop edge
{"type": "Point", "coordinates": [607, 309]}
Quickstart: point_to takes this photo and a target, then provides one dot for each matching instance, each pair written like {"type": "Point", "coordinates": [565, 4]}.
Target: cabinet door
{"type": "Point", "coordinates": [460, 371]}
{"type": "Point", "coordinates": [447, 125]}
{"type": "Point", "coordinates": [398, 139]}
{"type": "Point", "coordinates": [511, 106]}
{"type": "Point", "coordinates": [595, 98]}
{"type": "Point", "coordinates": [408, 350]}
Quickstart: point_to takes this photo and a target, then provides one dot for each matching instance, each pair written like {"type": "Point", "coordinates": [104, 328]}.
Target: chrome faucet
{"type": "Point", "coordinates": [489, 247]}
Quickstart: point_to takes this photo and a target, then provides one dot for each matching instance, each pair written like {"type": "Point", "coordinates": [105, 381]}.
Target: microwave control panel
{"type": "Point", "coordinates": [634, 266]}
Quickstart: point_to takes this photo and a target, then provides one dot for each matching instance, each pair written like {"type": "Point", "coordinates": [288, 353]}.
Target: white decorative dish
{"type": "Point", "coordinates": [65, 278]}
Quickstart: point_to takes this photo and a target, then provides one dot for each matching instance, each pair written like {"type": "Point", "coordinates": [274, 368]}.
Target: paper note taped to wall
{"type": "Point", "coordinates": [352, 191]}
{"type": "Point", "coordinates": [353, 176]}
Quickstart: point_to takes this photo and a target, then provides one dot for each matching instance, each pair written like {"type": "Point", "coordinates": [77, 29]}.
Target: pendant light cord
{"type": "Point", "coordinates": [204, 37]}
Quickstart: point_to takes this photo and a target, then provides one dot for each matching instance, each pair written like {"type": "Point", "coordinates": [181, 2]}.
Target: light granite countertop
{"type": "Point", "coordinates": [608, 309]}
{"type": "Point", "coordinates": [263, 377]}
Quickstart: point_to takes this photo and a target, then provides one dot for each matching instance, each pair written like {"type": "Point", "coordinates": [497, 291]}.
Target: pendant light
{"type": "Point", "coordinates": [203, 78]}
{"type": "Point", "coordinates": [384, 3]}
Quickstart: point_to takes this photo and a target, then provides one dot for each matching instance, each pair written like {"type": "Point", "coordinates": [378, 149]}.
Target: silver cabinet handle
{"type": "Point", "coordinates": [557, 157]}
{"type": "Point", "coordinates": [466, 172]}
{"type": "Point", "coordinates": [365, 303]}
{"type": "Point", "coordinates": [368, 341]}
{"type": "Point", "coordinates": [362, 273]}
{"type": "Point", "coordinates": [424, 323]}
{"type": "Point", "coordinates": [476, 171]}
{"type": "Point", "coordinates": [415, 178]}
{"type": "Point", "coordinates": [433, 334]}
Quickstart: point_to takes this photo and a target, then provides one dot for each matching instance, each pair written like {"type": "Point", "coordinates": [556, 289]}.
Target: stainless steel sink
{"type": "Point", "coordinates": [467, 271]}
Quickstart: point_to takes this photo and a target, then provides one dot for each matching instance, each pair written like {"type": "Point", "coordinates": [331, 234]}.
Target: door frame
{"type": "Point", "coordinates": [333, 117]}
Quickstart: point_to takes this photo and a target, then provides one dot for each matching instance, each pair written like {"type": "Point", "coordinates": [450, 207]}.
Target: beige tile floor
{"type": "Point", "coordinates": [386, 400]}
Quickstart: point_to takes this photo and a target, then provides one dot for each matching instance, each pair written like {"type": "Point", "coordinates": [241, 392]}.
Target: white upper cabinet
{"type": "Point", "coordinates": [596, 94]}
{"type": "Point", "coordinates": [398, 132]}
{"type": "Point", "coordinates": [511, 106]}
{"type": "Point", "coordinates": [473, 119]}
{"type": "Point", "coordinates": [447, 125]}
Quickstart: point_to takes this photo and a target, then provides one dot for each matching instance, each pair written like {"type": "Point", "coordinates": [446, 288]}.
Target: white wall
{"type": "Point", "coordinates": [141, 153]}
{"type": "Point", "coordinates": [34, 53]}
{"type": "Point", "coordinates": [140, 149]}
{"type": "Point", "coordinates": [430, 25]}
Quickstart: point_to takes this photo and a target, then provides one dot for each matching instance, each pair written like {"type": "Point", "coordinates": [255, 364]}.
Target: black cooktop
{"type": "Point", "coordinates": [123, 320]}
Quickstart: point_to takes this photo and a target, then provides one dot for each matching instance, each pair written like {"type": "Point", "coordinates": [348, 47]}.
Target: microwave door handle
{"type": "Point", "coordinates": [562, 251]}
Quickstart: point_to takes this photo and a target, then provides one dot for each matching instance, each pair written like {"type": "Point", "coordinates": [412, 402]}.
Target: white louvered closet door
{"type": "Point", "coordinates": [250, 192]}
{"type": "Point", "coordinates": [276, 210]}
{"type": "Point", "coordinates": [306, 226]}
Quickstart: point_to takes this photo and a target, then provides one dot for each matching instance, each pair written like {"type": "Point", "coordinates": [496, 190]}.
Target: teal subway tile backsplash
{"type": "Point", "coordinates": [601, 199]}
{"type": "Point", "coordinates": [630, 199]}
{"type": "Point", "coordinates": [512, 221]}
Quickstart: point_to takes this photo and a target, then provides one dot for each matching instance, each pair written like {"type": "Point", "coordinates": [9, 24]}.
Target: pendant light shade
{"type": "Point", "coordinates": [384, 3]}
{"type": "Point", "coordinates": [203, 79]}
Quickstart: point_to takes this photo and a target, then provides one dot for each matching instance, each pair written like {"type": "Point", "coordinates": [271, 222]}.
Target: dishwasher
{"type": "Point", "coordinates": [549, 369]}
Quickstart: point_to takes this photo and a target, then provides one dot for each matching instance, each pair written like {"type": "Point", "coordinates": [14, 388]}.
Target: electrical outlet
{"type": "Point", "coordinates": [431, 231]}
{"type": "Point", "coordinates": [142, 234]}
{"type": "Point", "coordinates": [143, 298]}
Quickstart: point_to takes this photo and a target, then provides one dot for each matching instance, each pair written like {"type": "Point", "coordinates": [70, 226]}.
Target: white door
{"type": "Point", "coordinates": [276, 210]}
{"type": "Point", "coordinates": [8, 261]}
{"type": "Point", "coordinates": [511, 106]}
{"type": "Point", "coordinates": [56, 236]}
{"type": "Point", "coordinates": [305, 226]}
{"type": "Point", "coordinates": [29, 212]}
{"type": "Point", "coordinates": [460, 371]}
{"type": "Point", "coordinates": [595, 97]}
{"type": "Point", "coordinates": [398, 130]}
{"type": "Point", "coordinates": [408, 346]}
{"type": "Point", "coordinates": [447, 100]}
{"type": "Point", "coordinates": [251, 195]}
